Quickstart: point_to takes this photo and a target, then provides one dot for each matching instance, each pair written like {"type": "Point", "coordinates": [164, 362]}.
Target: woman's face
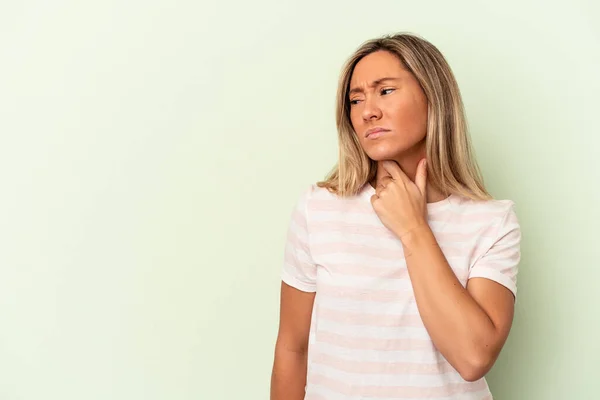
{"type": "Point", "coordinates": [388, 108]}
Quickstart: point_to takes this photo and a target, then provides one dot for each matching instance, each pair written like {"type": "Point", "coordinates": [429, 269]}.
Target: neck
{"type": "Point", "coordinates": [408, 163]}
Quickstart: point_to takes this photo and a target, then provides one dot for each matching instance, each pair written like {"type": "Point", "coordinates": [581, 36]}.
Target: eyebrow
{"type": "Point", "coordinates": [373, 84]}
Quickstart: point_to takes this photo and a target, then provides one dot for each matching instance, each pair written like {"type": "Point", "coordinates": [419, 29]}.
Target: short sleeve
{"type": "Point", "coordinates": [299, 269]}
{"type": "Point", "coordinates": [500, 263]}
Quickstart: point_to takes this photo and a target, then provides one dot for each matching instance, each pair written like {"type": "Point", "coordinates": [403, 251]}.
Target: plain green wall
{"type": "Point", "coordinates": [151, 152]}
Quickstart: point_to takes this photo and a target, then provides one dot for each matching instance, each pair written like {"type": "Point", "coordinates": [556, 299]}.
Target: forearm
{"type": "Point", "coordinates": [288, 378]}
{"type": "Point", "coordinates": [457, 325]}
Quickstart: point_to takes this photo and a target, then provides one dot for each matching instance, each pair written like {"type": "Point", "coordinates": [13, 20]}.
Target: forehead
{"type": "Point", "coordinates": [375, 66]}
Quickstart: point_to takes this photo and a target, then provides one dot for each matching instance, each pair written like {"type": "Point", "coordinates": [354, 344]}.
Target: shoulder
{"type": "Point", "coordinates": [320, 202]}
{"type": "Point", "coordinates": [312, 192]}
{"type": "Point", "coordinates": [307, 196]}
{"type": "Point", "coordinates": [493, 213]}
{"type": "Point", "coordinates": [492, 207]}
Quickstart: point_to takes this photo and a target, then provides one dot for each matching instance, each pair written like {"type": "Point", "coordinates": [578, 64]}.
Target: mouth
{"type": "Point", "coordinates": [375, 132]}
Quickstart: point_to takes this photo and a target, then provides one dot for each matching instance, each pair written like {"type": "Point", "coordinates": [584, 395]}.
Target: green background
{"type": "Point", "coordinates": [151, 153]}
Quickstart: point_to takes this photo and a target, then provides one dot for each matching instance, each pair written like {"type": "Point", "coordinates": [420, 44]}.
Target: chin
{"type": "Point", "coordinates": [384, 151]}
{"type": "Point", "coordinates": [384, 154]}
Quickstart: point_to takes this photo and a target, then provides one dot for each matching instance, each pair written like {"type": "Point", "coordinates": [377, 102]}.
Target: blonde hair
{"type": "Point", "coordinates": [451, 165]}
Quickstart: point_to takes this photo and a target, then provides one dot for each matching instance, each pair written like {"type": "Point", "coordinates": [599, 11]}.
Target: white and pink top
{"type": "Point", "coordinates": [367, 340]}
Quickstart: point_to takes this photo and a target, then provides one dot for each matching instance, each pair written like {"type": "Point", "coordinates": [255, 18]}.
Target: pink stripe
{"type": "Point", "coordinates": [381, 232]}
{"type": "Point", "coordinates": [397, 392]}
{"type": "Point", "coordinates": [508, 256]}
{"type": "Point", "coordinates": [364, 250]}
{"type": "Point", "coordinates": [464, 219]}
{"type": "Point", "coordinates": [352, 228]}
{"type": "Point", "coordinates": [295, 242]}
{"type": "Point", "coordinates": [314, 396]}
{"type": "Point", "coordinates": [375, 344]}
{"type": "Point", "coordinates": [368, 271]}
{"type": "Point", "coordinates": [382, 368]}
{"type": "Point", "coordinates": [382, 320]}
{"type": "Point", "coordinates": [299, 219]}
{"type": "Point", "coordinates": [512, 219]}
{"type": "Point", "coordinates": [375, 252]}
{"type": "Point", "coordinates": [341, 206]}
{"type": "Point", "coordinates": [381, 296]}
{"type": "Point", "coordinates": [453, 237]}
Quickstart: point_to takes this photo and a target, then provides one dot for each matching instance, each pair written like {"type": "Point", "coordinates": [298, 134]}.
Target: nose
{"type": "Point", "coordinates": [371, 109]}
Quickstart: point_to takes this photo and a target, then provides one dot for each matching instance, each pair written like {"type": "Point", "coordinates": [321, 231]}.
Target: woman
{"type": "Point", "coordinates": [401, 259]}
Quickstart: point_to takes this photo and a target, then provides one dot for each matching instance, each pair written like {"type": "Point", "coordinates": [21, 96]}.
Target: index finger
{"type": "Point", "coordinates": [394, 170]}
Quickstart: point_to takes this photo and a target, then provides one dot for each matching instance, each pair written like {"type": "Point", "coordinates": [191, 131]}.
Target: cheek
{"type": "Point", "coordinates": [409, 117]}
{"type": "Point", "coordinates": [355, 118]}
{"type": "Point", "coordinates": [358, 127]}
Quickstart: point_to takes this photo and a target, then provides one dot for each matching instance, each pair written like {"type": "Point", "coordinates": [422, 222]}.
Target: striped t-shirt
{"type": "Point", "coordinates": [367, 340]}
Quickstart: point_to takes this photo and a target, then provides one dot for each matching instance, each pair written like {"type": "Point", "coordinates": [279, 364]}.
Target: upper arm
{"type": "Point", "coordinates": [299, 280]}
{"type": "Point", "coordinates": [299, 270]}
{"type": "Point", "coordinates": [493, 278]}
{"type": "Point", "coordinates": [294, 320]}
{"type": "Point", "coordinates": [498, 303]}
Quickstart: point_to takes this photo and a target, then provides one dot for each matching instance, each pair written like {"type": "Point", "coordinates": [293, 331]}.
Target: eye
{"type": "Point", "coordinates": [354, 102]}
{"type": "Point", "coordinates": [387, 91]}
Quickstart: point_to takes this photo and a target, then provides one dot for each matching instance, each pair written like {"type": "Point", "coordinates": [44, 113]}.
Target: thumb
{"type": "Point", "coordinates": [421, 176]}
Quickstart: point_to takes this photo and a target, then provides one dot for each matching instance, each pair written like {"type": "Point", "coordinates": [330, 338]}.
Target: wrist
{"type": "Point", "coordinates": [421, 235]}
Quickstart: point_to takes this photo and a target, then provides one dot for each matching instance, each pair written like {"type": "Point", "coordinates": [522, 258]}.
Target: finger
{"type": "Point", "coordinates": [421, 176]}
{"type": "Point", "coordinates": [374, 199]}
{"type": "Point", "coordinates": [382, 183]}
{"type": "Point", "coordinates": [392, 168]}
{"type": "Point", "coordinates": [385, 180]}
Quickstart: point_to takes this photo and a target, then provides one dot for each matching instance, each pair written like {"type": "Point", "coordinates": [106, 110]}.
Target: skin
{"type": "Point", "coordinates": [468, 325]}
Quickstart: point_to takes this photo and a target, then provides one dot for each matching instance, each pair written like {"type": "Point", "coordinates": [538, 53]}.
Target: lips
{"type": "Point", "coordinates": [375, 132]}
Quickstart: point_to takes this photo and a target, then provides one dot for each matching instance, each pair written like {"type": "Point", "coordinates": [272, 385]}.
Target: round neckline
{"type": "Point", "coordinates": [436, 205]}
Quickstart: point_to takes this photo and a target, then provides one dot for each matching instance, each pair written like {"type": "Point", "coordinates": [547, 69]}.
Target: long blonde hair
{"type": "Point", "coordinates": [451, 165]}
